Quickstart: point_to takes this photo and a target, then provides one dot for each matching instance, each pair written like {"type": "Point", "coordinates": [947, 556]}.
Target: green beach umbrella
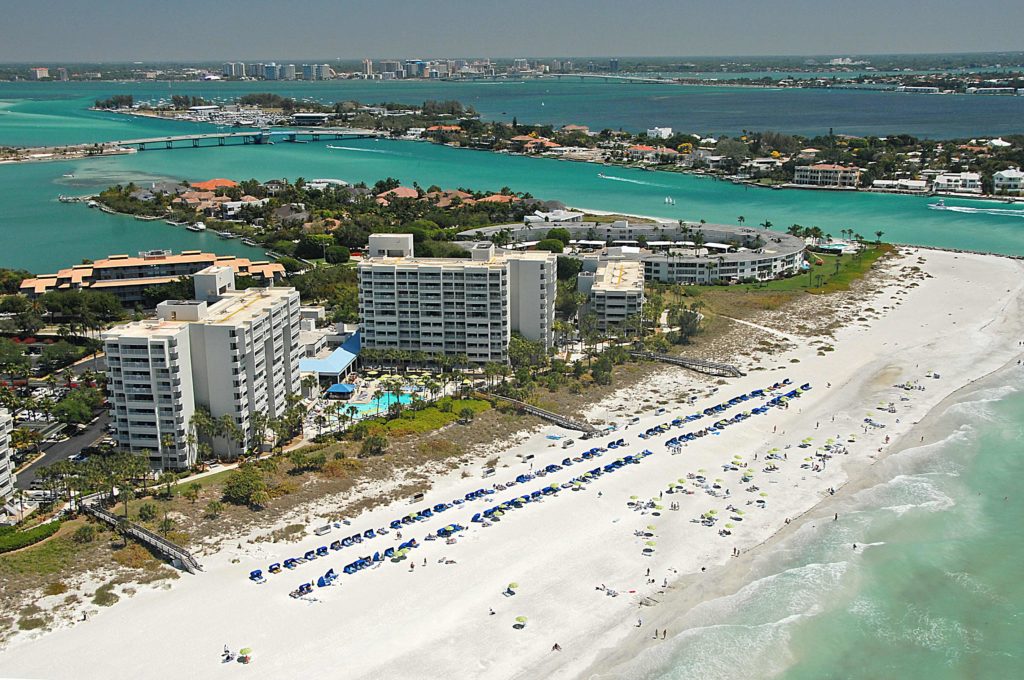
{"type": "Point", "coordinates": [651, 527]}
{"type": "Point", "coordinates": [712, 512]}
{"type": "Point", "coordinates": [729, 526]}
{"type": "Point", "coordinates": [763, 494]}
{"type": "Point", "coordinates": [513, 586]}
{"type": "Point", "coordinates": [245, 650]}
{"type": "Point", "coordinates": [737, 456]}
{"type": "Point", "coordinates": [520, 619]}
{"type": "Point", "coordinates": [657, 507]}
{"type": "Point", "coordinates": [739, 512]}
{"type": "Point", "coordinates": [632, 498]}
{"type": "Point", "coordinates": [651, 543]}
{"type": "Point", "coordinates": [681, 480]}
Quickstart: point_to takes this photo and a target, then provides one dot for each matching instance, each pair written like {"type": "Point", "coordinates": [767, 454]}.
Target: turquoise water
{"type": "Point", "coordinates": [933, 591]}
{"type": "Point", "coordinates": [381, 404]}
{"type": "Point", "coordinates": [40, 234]}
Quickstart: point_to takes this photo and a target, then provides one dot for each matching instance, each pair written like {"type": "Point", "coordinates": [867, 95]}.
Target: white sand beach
{"type": "Point", "coordinates": [428, 616]}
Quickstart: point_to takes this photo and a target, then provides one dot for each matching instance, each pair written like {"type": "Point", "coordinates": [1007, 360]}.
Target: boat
{"type": "Point", "coordinates": [198, 226]}
{"type": "Point", "coordinates": [602, 175]}
{"type": "Point", "coordinates": [174, 223]}
{"type": "Point", "coordinates": [938, 205]}
{"type": "Point", "coordinates": [147, 218]}
{"type": "Point", "coordinates": [250, 242]}
{"type": "Point", "coordinates": [226, 235]}
{"type": "Point", "coordinates": [68, 175]}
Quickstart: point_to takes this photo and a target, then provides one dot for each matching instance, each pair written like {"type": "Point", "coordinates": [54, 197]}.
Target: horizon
{"type": "Point", "coordinates": [651, 58]}
{"type": "Point", "coordinates": [122, 31]}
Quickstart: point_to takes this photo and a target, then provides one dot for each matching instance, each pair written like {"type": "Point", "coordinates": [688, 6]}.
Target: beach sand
{"type": "Point", "coordinates": [960, 315]}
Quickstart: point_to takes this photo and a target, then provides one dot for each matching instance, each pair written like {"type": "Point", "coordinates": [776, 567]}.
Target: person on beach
{"type": "Point", "coordinates": [556, 648]}
{"type": "Point", "coordinates": [639, 622]}
{"type": "Point", "coordinates": [836, 518]}
{"type": "Point", "coordinates": [664, 633]}
{"type": "Point", "coordinates": [648, 571]}
{"type": "Point", "coordinates": [491, 610]}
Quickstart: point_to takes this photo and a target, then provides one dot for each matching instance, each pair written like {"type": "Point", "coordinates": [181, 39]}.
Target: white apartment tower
{"type": "Point", "coordinates": [6, 463]}
{"type": "Point", "coordinates": [233, 352]}
{"type": "Point", "coordinates": [454, 306]}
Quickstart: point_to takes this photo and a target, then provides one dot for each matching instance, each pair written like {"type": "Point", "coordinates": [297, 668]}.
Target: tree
{"type": "Point", "coordinates": [374, 445]}
{"type": "Point", "coordinates": [878, 236]}
{"type": "Point", "coordinates": [551, 245]}
{"type": "Point", "coordinates": [166, 525]}
{"type": "Point", "coordinates": [466, 415]}
{"type": "Point", "coordinates": [58, 355]}
{"type": "Point", "coordinates": [214, 508]}
{"type": "Point", "coordinates": [337, 254]}
{"type": "Point", "coordinates": [147, 512]}
{"type": "Point", "coordinates": [243, 484]}
{"type": "Point", "coordinates": [260, 499]}
{"type": "Point", "coordinates": [559, 234]}
{"type": "Point", "coordinates": [192, 491]}
{"type": "Point", "coordinates": [13, 359]}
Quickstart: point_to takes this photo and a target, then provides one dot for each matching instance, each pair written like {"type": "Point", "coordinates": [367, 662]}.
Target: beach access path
{"type": "Point", "coordinates": [429, 615]}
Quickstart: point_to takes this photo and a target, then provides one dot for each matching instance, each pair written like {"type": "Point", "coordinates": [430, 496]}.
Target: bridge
{"type": "Point", "coordinates": [262, 136]}
{"type": "Point", "coordinates": [698, 365]}
{"type": "Point", "coordinates": [550, 416]}
{"type": "Point", "coordinates": [608, 78]}
{"type": "Point", "coordinates": [145, 536]}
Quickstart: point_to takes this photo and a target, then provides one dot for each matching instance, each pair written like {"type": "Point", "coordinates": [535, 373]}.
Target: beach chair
{"type": "Point", "coordinates": [310, 555]}
{"type": "Point", "coordinates": [256, 576]}
{"type": "Point", "coordinates": [321, 551]}
{"type": "Point", "coordinates": [336, 545]}
{"type": "Point", "coordinates": [274, 568]}
{"type": "Point", "coordinates": [369, 533]}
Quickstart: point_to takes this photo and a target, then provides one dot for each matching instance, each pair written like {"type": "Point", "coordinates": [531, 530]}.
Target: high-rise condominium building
{"type": "Point", "coordinates": [232, 352]}
{"type": "Point", "coordinates": [454, 306]}
{"type": "Point", "coordinates": [6, 463]}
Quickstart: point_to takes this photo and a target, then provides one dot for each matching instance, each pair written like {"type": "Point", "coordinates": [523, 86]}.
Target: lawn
{"type": "Point", "coordinates": [836, 273]}
{"type": "Point", "coordinates": [428, 419]}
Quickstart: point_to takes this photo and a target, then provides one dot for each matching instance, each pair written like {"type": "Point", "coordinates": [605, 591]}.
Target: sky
{"type": "Point", "coordinates": [262, 30]}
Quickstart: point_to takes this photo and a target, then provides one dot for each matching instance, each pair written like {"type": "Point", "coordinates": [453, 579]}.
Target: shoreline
{"type": "Point", "coordinates": [559, 550]}
{"type": "Point", "coordinates": [695, 590]}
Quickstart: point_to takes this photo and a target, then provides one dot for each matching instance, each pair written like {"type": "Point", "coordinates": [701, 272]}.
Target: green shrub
{"type": "Point", "coordinates": [14, 540]}
{"type": "Point", "coordinates": [84, 534]}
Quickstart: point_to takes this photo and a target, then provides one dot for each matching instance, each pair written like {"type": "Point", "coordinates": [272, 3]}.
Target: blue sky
{"type": "Point", "coordinates": [145, 30]}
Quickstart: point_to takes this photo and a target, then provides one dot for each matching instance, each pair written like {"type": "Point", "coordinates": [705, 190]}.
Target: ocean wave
{"type": "Point", "coordinates": [903, 493]}
{"type": "Point", "coordinates": [634, 181]}
{"type": "Point", "coordinates": [737, 635]}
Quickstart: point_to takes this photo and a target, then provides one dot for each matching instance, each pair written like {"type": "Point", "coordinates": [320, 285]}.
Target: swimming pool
{"type": "Point", "coordinates": [381, 404]}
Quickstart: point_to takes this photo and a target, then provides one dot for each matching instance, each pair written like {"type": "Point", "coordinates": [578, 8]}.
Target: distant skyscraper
{"type": "Point", "coordinates": [613, 65]}
{"type": "Point", "coordinates": [367, 67]}
{"type": "Point", "coordinates": [234, 69]}
{"type": "Point", "coordinates": [270, 71]}
{"type": "Point", "coordinates": [520, 64]}
{"type": "Point", "coordinates": [38, 73]}
{"type": "Point", "coordinates": [62, 74]}
{"type": "Point", "coordinates": [7, 476]}
{"type": "Point", "coordinates": [391, 66]}
{"type": "Point", "coordinates": [286, 72]}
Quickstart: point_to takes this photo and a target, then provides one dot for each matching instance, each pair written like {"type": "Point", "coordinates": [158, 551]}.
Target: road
{"type": "Point", "coordinates": [64, 450]}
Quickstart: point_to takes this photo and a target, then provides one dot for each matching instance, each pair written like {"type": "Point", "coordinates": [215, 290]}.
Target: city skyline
{"type": "Point", "coordinates": [193, 31]}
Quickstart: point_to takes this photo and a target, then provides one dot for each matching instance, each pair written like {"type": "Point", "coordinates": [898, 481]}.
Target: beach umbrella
{"type": "Point", "coordinates": [712, 512]}
{"type": "Point", "coordinates": [739, 512]}
{"type": "Point", "coordinates": [651, 527]}
{"type": "Point", "coordinates": [520, 619]}
{"type": "Point", "coordinates": [807, 459]}
{"type": "Point", "coordinates": [632, 498]}
{"type": "Point", "coordinates": [657, 507]}
{"type": "Point", "coordinates": [737, 456]}
{"type": "Point", "coordinates": [244, 651]}
{"type": "Point", "coordinates": [513, 586]}
{"type": "Point", "coordinates": [729, 526]}
{"type": "Point", "coordinates": [718, 481]}
{"type": "Point", "coordinates": [651, 543]}
{"type": "Point", "coordinates": [497, 513]}
{"type": "Point", "coordinates": [762, 494]}
{"type": "Point", "coordinates": [701, 470]}
{"type": "Point", "coordinates": [681, 480]}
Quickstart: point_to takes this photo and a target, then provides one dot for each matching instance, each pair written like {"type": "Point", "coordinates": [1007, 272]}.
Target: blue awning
{"type": "Point", "coordinates": [337, 362]}
{"type": "Point", "coordinates": [341, 388]}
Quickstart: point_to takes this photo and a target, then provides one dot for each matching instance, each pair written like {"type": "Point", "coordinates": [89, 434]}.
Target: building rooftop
{"type": "Point", "coordinates": [619, 276]}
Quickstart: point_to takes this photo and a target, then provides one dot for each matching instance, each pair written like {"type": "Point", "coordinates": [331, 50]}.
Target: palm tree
{"type": "Point", "coordinates": [741, 219]}
{"type": "Point", "coordinates": [767, 224]}
{"type": "Point", "coordinates": [878, 236]}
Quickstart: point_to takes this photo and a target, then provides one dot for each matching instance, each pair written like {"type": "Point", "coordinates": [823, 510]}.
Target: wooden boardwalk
{"type": "Point", "coordinates": [698, 365]}
{"type": "Point", "coordinates": [550, 416]}
{"type": "Point", "coordinates": [147, 537]}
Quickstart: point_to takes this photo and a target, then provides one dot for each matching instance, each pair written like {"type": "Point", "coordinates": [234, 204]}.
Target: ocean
{"type": "Point", "coordinates": [932, 591]}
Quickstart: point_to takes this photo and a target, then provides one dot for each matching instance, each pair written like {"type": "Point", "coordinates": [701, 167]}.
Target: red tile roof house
{"type": "Point", "coordinates": [386, 197]}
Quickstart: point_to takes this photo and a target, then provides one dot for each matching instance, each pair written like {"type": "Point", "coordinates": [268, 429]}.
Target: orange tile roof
{"type": "Point", "coordinates": [498, 198]}
{"type": "Point", "coordinates": [399, 192]}
{"type": "Point", "coordinates": [212, 184]}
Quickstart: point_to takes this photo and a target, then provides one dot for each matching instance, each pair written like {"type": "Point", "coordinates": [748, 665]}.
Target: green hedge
{"type": "Point", "coordinates": [12, 539]}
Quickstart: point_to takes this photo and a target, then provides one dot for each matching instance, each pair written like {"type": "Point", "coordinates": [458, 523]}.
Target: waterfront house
{"type": "Point", "coordinates": [1009, 181]}
{"type": "Point", "coordinates": [958, 182]}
